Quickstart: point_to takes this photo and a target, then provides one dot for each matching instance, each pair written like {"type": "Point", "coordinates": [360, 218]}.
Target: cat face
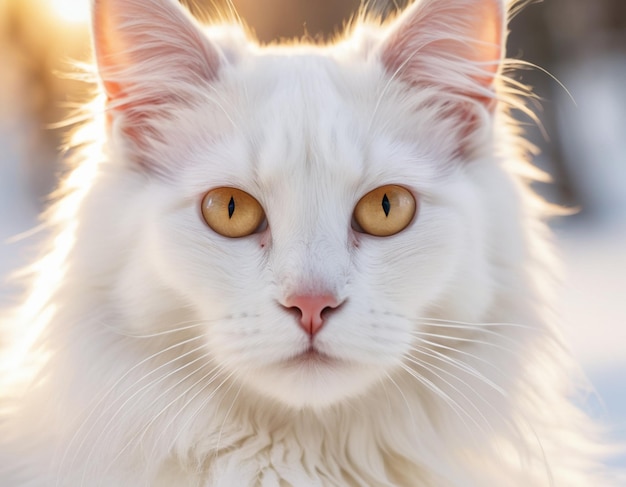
{"type": "Point", "coordinates": [307, 133]}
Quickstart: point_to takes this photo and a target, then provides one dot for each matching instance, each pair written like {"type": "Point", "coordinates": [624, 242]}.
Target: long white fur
{"type": "Point", "coordinates": [151, 351]}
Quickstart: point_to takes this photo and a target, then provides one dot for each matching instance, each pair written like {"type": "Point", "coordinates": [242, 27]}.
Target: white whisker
{"type": "Point", "coordinates": [201, 406]}
{"type": "Point", "coordinates": [419, 334]}
{"type": "Point", "coordinates": [475, 324]}
{"type": "Point", "coordinates": [138, 437]}
{"type": "Point", "coordinates": [455, 406]}
{"type": "Point", "coordinates": [94, 408]}
{"type": "Point", "coordinates": [459, 351]}
{"type": "Point", "coordinates": [232, 404]}
{"type": "Point", "coordinates": [144, 390]}
{"type": "Point", "coordinates": [460, 366]}
{"type": "Point", "coordinates": [432, 369]}
{"type": "Point", "coordinates": [406, 402]}
{"type": "Point", "coordinates": [175, 328]}
{"type": "Point", "coordinates": [476, 329]}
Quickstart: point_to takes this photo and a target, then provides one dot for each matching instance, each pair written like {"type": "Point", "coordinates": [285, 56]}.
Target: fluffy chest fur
{"type": "Point", "coordinates": [294, 266]}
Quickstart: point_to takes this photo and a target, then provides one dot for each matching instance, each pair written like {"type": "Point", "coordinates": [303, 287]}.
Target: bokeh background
{"type": "Point", "coordinates": [580, 43]}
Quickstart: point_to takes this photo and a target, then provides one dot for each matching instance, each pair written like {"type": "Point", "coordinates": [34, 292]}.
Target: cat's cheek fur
{"type": "Point", "coordinates": [233, 288]}
{"type": "Point", "coordinates": [365, 339]}
{"type": "Point", "coordinates": [469, 288]}
{"type": "Point", "coordinates": [256, 341]}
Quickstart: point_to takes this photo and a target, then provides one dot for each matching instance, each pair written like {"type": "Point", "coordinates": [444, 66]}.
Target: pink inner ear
{"type": "Point", "coordinates": [151, 55]}
{"type": "Point", "coordinates": [141, 46]}
{"type": "Point", "coordinates": [110, 50]}
{"type": "Point", "coordinates": [453, 43]}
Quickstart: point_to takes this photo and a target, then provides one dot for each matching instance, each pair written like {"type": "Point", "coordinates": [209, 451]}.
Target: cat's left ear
{"type": "Point", "coordinates": [453, 44]}
{"type": "Point", "coordinates": [151, 55]}
{"type": "Point", "coordinates": [142, 44]}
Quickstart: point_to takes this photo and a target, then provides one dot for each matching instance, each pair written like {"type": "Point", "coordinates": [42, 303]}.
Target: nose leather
{"type": "Point", "coordinates": [311, 308]}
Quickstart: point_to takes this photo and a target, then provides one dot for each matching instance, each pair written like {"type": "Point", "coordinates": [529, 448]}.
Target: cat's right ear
{"type": "Point", "coordinates": [456, 45]}
{"type": "Point", "coordinates": [147, 52]}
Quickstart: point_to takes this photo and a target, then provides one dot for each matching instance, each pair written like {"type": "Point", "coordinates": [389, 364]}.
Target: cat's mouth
{"type": "Point", "coordinates": [312, 356]}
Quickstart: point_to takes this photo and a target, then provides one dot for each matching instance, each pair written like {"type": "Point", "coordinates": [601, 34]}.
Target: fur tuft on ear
{"type": "Point", "coordinates": [456, 45]}
{"type": "Point", "coordinates": [149, 53]}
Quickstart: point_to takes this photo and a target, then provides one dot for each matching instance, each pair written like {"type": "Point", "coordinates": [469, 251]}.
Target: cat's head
{"type": "Point", "coordinates": [301, 208]}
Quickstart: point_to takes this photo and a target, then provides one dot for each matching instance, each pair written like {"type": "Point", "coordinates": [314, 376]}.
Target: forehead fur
{"type": "Point", "coordinates": [293, 113]}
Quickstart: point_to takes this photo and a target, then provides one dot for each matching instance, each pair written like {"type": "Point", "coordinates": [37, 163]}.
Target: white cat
{"type": "Point", "coordinates": [296, 265]}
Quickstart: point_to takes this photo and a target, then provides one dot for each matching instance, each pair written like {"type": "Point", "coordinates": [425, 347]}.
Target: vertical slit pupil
{"type": "Point", "coordinates": [231, 207]}
{"type": "Point", "coordinates": [386, 205]}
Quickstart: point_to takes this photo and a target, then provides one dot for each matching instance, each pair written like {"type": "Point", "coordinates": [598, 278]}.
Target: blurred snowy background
{"type": "Point", "coordinates": [580, 42]}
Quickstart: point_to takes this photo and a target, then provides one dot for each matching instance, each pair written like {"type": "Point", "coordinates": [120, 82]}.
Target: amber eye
{"type": "Point", "coordinates": [385, 211]}
{"type": "Point", "coordinates": [232, 212]}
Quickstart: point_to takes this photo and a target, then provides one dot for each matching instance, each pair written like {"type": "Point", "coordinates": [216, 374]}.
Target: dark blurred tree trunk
{"type": "Point", "coordinates": [531, 40]}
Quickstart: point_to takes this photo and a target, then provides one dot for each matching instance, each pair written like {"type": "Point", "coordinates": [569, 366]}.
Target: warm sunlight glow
{"type": "Point", "coordinates": [71, 10]}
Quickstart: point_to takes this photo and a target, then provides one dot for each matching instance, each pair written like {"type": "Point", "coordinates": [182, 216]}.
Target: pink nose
{"type": "Point", "coordinates": [311, 309]}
